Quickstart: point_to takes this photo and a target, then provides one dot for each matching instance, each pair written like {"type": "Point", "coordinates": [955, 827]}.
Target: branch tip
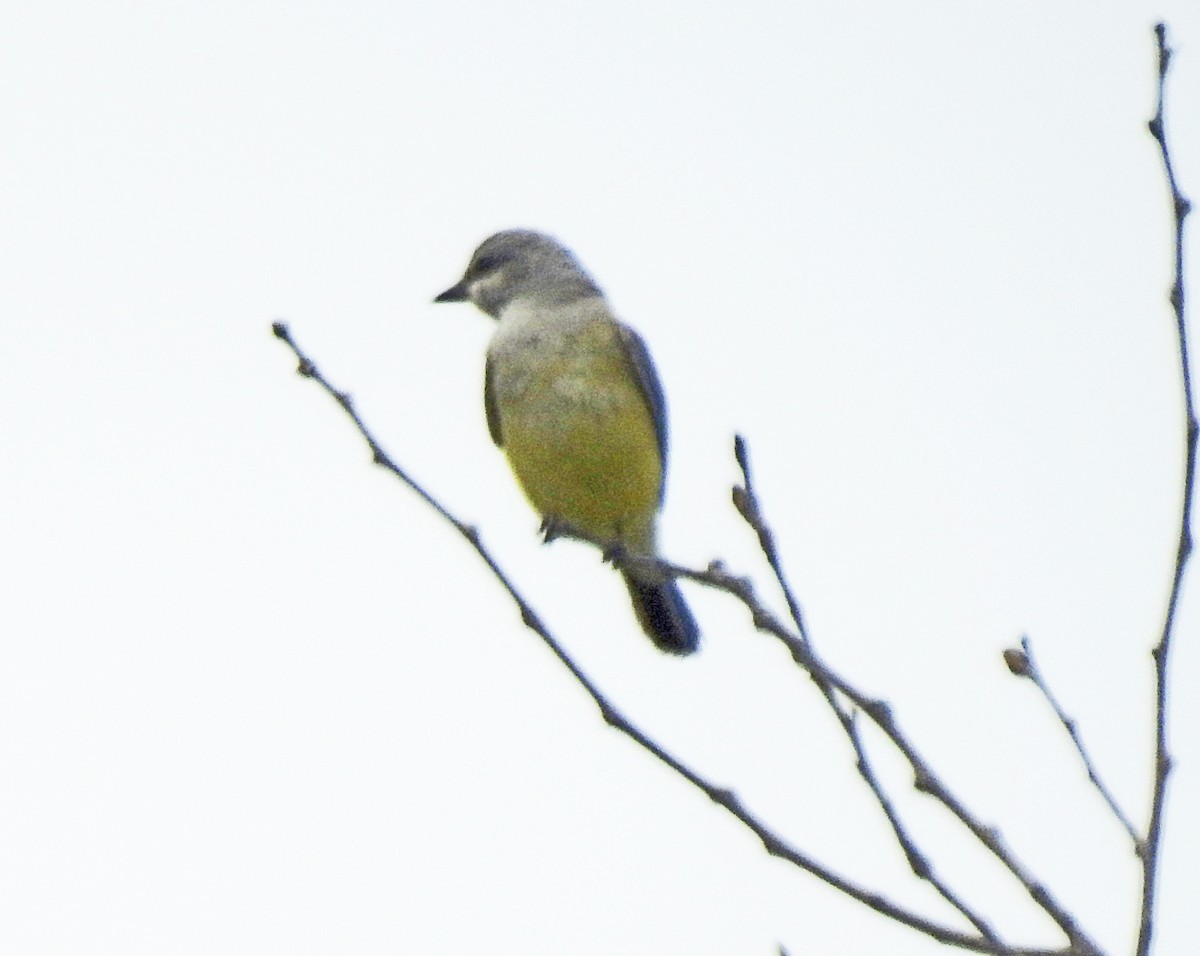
{"type": "Point", "coordinates": [741, 454]}
{"type": "Point", "coordinates": [1017, 661]}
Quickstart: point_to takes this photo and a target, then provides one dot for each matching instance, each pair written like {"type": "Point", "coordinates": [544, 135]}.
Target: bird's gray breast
{"type": "Point", "coordinates": [544, 350]}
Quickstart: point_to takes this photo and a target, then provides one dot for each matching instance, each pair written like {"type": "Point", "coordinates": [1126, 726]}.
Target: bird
{"type": "Point", "coordinates": [572, 398]}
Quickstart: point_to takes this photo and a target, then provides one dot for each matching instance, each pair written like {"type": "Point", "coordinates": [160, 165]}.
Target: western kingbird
{"type": "Point", "coordinates": [573, 399]}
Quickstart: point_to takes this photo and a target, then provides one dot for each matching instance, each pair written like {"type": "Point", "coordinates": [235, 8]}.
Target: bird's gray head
{"type": "Point", "coordinates": [520, 263]}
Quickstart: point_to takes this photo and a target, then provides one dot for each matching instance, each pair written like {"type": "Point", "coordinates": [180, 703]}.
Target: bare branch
{"type": "Point", "coordinates": [1162, 757]}
{"type": "Point", "coordinates": [847, 702]}
{"type": "Point", "coordinates": [745, 500]}
{"type": "Point", "coordinates": [772, 841]}
{"type": "Point", "coordinates": [880, 713]}
{"type": "Point", "coordinates": [1022, 664]}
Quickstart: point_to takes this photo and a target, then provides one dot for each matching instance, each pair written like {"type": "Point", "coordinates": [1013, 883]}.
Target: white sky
{"type": "Point", "coordinates": [255, 699]}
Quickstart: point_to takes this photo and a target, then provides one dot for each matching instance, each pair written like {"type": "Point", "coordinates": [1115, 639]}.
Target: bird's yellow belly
{"type": "Point", "coordinates": [583, 447]}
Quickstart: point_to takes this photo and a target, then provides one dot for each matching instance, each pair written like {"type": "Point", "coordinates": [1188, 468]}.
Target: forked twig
{"type": "Point", "coordinates": [880, 713]}
{"type": "Point", "coordinates": [847, 701]}
{"type": "Point", "coordinates": [745, 500]}
{"type": "Point", "coordinates": [728, 799]}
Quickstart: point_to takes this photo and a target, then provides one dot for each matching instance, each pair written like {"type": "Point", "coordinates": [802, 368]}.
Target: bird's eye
{"type": "Point", "coordinates": [488, 262]}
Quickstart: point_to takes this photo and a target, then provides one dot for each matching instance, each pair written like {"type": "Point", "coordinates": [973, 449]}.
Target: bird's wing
{"type": "Point", "coordinates": [489, 404]}
{"type": "Point", "coordinates": [640, 364]}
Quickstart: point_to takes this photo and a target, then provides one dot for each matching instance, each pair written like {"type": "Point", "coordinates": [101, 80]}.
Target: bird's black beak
{"type": "Point", "coordinates": [456, 293]}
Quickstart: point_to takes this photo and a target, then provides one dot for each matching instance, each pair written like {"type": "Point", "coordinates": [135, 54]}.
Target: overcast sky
{"type": "Point", "coordinates": [255, 698]}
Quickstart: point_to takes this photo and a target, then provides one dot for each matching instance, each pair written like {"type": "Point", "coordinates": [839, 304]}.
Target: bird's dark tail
{"type": "Point", "coordinates": [664, 616]}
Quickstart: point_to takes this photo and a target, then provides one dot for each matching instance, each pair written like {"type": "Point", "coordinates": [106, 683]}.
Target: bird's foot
{"type": "Point", "coordinates": [551, 529]}
{"type": "Point", "coordinates": [614, 553]}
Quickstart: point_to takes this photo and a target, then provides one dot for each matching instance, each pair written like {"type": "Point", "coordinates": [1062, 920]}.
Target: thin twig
{"type": "Point", "coordinates": [925, 780]}
{"type": "Point", "coordinates": [745, 500]}
{"type": "Point", "coordinates": [1022, 664]}
{"type": "Point", "coordinates": [918, 862]}
{"type": "Point", "coordinates": [1162, 759]}
{"type": "Point", "coordinates": [772, 841]}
